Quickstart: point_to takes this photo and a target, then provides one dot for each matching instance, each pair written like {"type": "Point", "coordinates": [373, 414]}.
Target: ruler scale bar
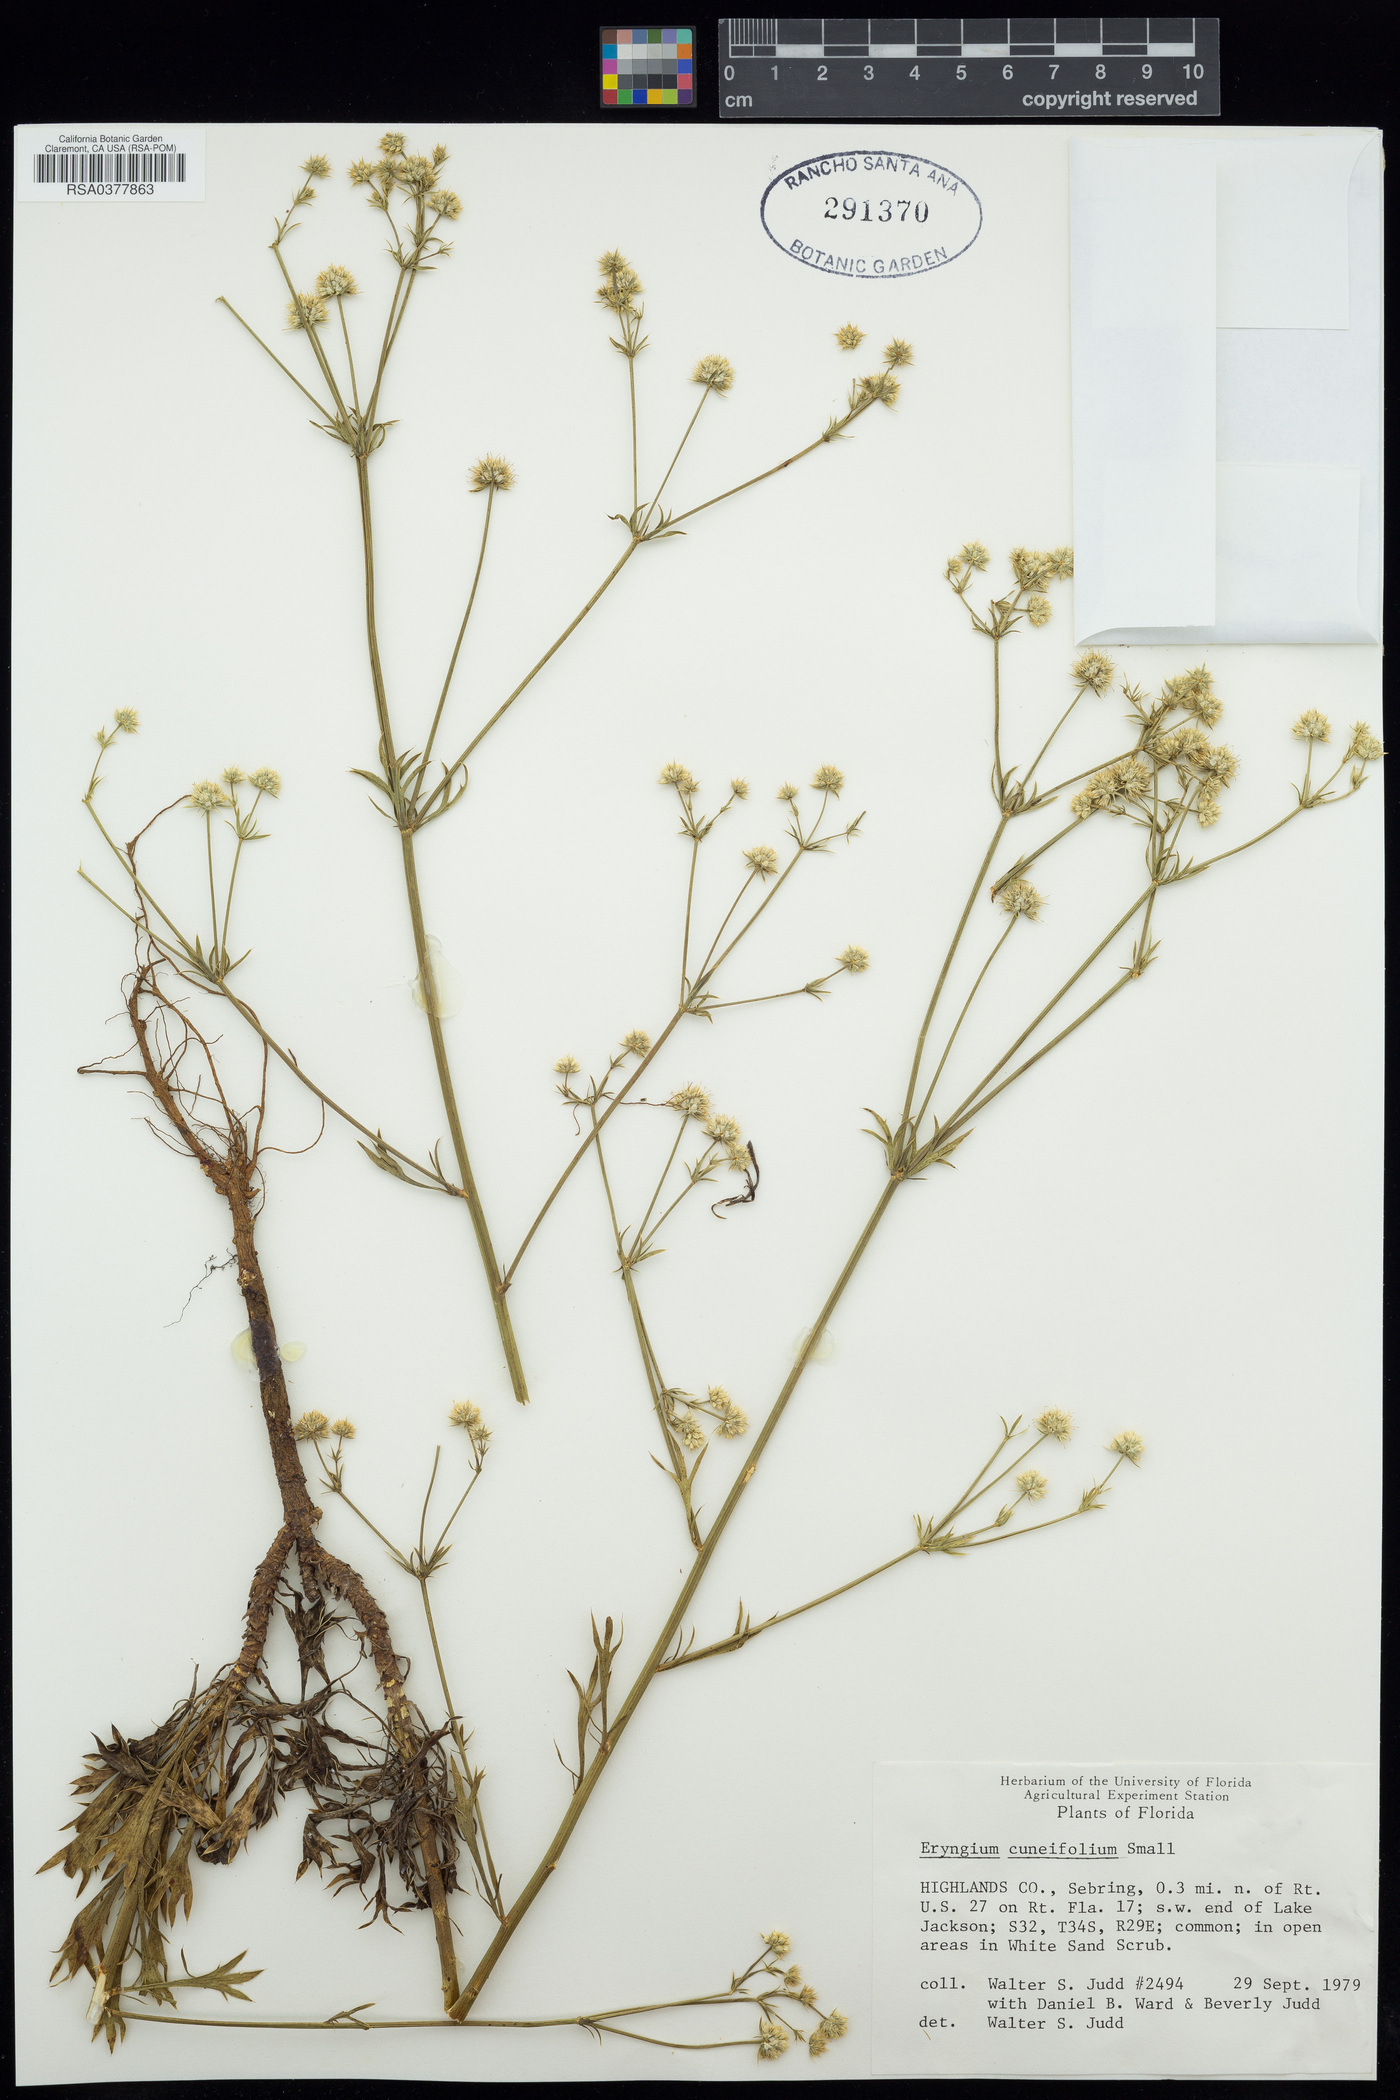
{"type": "Point", "coordinates": [972, 66]}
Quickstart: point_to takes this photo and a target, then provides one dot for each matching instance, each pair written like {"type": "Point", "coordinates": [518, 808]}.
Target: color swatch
{"type": "Point", "coordinates": [648, 68]}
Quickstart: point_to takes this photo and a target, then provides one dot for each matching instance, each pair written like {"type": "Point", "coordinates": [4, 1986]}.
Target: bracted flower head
{"type": "Point", "coordinates": [772, 2040]}
{"type": "Point", "coordinates": [232, 776]}
{"type": "Point", "coordinates": [566, 1066]}
{"type": "Point", "coordinates": [306, 311]}
{"type": "Point", "coordinates": [310, 1426]}
{"type": "Point", "coordinates": [691, 1431]}
{"type": "Point", "coordinates": [854, 959]}
{"type": "Point", "coordinates": [973, 554]}
{"type": "Point", "coordinates": [492, 472]}
{"type": "Point", "coordinates": [344, 1428]}
{"type": "Point", "coordinates": [679, 777]}
{"type": "Point", "coordinates": [266, 780]}
{"type": "Point", "coordinates": [127, 718]}
{"type": "Point", "coordinates": [1038, 610]}
{"type": "Point", "coordinates": [392, 142]}
{"type": "Point", "coordinates": [739, 789]}
{"type": "Point", "coordinates": [1033, 1485]}
{"type": "Point", "coordinates": [733, 1420]}
{"type": "Point", "coordinates": [691, 1100]}
{"type": "Point", "coordinates": [336, 282]}
{"type": "Point", "coordinates": [723, 1129]}
{"type": "Point", "coordinates": [360, 171]}
{"type": "Point", "coordinates": [1219, 764]}
{"type": "Point", "coordinates": [1312, 725]}
{"type": "Point", "coordinates": [830, 779]}
{"type": "Point", "coordinates": [1062, 560]}
{"type": "Point", "coordinates": [1056, 1423]}
{"type": "Point", "coordinates": [1365, 744]}
{"type": "Point", "coordinates": [1032, 570]}
{"type": "Point", "coordinates": [762, 859]}
{"type": "Point", "coordinates": [899, 352]}
{"type": "Point", "coordinates": [316, 165]}
{"type": "Point", "coordinates": [1129, 1445]}
{"type": "Point", "coordinates": [1094, 671]}
{"type": "Point", "coordinates": [207, 795]}
{"type": "Point", "coordinates": [834, 2025]}
{"type": "Point", "coordinates": [714, 372]}
{"type": "Point", "coordinates": [850, 337]}
{"type": "Point", "coordinates": [636, 1042]}
{"type": "Point", "coordinates": [788, 792]}
{"type": "Point", "coordinates": [1207, 810]}
{"type": "Point", "coordinates": [1020, 899]}
{"type": "Point", "coordinates": [464, 1414]}
{"type": "Point", "coordinates": [446, 203]}
{"type": "Point", "coordinates": [739, 1159]}
{"type": "Point", "coordinates": [878, 386]}
{"type": "Point", "coordinates": [778, 1945]}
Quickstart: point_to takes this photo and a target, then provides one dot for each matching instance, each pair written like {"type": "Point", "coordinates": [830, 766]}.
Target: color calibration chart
{"type": "Point", "coordinates": [648, 68]}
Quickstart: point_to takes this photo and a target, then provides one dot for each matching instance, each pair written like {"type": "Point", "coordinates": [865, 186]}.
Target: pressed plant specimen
{"type": "Point", "coordinates": [400, 1797]}
{"type": "Point", "coordinates": [158, 1798]}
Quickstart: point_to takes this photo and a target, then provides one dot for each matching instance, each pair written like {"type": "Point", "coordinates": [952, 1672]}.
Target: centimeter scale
{"type": "Point", "coordinates": [1114, 66]}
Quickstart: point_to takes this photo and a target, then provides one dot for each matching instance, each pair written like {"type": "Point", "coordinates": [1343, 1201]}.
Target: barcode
{"type": "Point", "coordinates": [109, 167]}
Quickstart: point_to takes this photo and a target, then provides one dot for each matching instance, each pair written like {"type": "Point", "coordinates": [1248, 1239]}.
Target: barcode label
{"type": "Point", "coordinates": [102, 163]}
{"type": "Point", "coordinates": [109, 167]}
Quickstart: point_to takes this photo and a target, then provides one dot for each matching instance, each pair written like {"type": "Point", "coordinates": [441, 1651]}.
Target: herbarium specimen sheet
{"type": "Point", "coordinates": [631, 1045]}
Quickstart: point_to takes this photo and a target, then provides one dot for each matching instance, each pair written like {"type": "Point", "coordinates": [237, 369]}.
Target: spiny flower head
{"type": "Point", "coordinates": [691, 1431]}
{"type": "Point", "coordinates": [1129, 1445]}
{"type": "Point", "coordinates": [1062, 560]}
{"type": "Point", "coordinates": [636, 1042]}
{"type": "Point", "coordinates": [739, 789]}
{"type": "Point", "coordinates": [714, 372]}
{"type": "Point", "coordinates": [778, 1945]}
{"type": "Point", "coordinates": [344, 1428]}
{"type": "Point", "coordinates": [899, 352]}
{"type": "Point", "coordinates": [1021, 899]}
{"type": "Point", "coordinates": [830, 779]}
{"type": "Point", "coordinates": [1032, 570]}
{"type": "Point", "coordinates": [738, 1159]}
{"type": "Point", "coordinates": [1218, 763]}
{"type": "Point", "coordinates": [1056, 1423]}
{"type": "Point", "coordinates": [772, 2040]}
{"type": "Point", "coordinates": [1038, 611]}
{"type": "Point", "coordinates": [127, 718]}
{"type": "Point", "coordinates": [834, 2025]}
{"type": "Point", "coordinates": [679, 777]}
{"type": "Point", "coordinates": [1365, 744]}
{"type": "Point", "coordinates": [788, 792]}
{"type": "Point", "coordinates": [566, 1066]}
{"type": "Point", "coordinates": [691, 1100]}
{"type": "Point", "coordinates": [492, 472]}
{"type": "Point", "coordinates": [1207, 811]}
{"type": "Point", "coordinates": [1032, 1484]}
{"type": "Point", "coordinates": [207, 795]}
{"type": "Point", "coordinates": [266, 780]}
{"type": "Point", "coordinates": [723, 1129]}
{"type": "Point", "coordinates": [1312, 725]}
{"type": "Point", "coordinates": [446, 203]}
{"type": "Point", "coordinates": [1094, 671]}
{"type": "Point", "coordinates": [465, 1414]}
{"type": "Point", "coordinates": [317, 165]}
{"type": "Point", "coordinates": [392, 142]}
{"type": "Point", "coordinates": [973, 554]}
{"type": "Point", "coordinates": [232, 775]}
{"type": "Point", "coordinates": [762, 859]}
{"type": "Point", "coordinates": [336, 282]}
{"type": "Point", "coordinates": [733, 1420]}
{"type": "Point", "coordinates": [306, 311]}
{"type": "Point", "coordinates": [310, 1426]}
{"type": "Point", "coordinates": [360, 171]}
{"type": "Point", "coordinates": [850, 337]}
{"type": "Point", "coordinates": [879, 386]}
{"type": "Point", "coordinates": [854, 959]}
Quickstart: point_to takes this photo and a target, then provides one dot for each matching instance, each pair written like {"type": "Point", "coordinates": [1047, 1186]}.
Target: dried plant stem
{"type": "Point", "coordinates": [425, 970]}
{"type": "Point", "coordinates": [646, 1676]}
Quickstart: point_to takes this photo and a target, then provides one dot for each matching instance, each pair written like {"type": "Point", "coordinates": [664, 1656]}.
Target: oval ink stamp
{"type": "Point", "coordinates": [865, 214]}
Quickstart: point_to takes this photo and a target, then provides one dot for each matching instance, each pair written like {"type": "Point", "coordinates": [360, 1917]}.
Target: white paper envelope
{"type": "Point", "coordinates": [1226, 338]}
